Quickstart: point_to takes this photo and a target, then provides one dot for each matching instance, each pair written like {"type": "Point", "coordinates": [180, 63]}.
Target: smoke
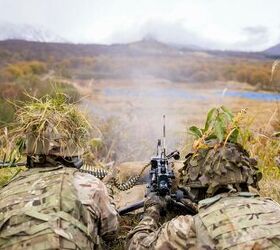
{"type": "Point", "coordinates": [135, 109]}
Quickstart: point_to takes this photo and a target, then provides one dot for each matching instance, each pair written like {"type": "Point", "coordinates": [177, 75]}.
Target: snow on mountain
{"type": "Point", "coordinates": [28, 33]}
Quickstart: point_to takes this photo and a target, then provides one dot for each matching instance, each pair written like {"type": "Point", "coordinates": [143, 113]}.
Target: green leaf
{"type": "Point", "coordinates": [234, 136]}
{"type": "Point", "coordinates": [227, 112]}
{"type": "Point", "coordinates": [222, 118]}
{"type": "Point", "coordinates": [210, 118]}
{"type": "Point", "coordinates": [219, 129]}
{"type": "Point", "coordinates": [195, 131]}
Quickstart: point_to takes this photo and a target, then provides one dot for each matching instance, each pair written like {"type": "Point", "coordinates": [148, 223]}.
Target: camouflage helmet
{"type": "Point", "coordinates": [219, 165]}
{"type": "Point", "coordinates": [51, 143]}
{"type": "Point", "coordinates": [52, 126]}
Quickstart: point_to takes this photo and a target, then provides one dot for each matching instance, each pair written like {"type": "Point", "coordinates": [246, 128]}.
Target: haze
{"type": "Point", "coordinates": [249, 25]}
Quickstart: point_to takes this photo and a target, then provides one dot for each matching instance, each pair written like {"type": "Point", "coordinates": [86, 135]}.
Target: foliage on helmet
{"type": "Point", "coordinates": [218, 160]}
{"type": "Point", "coordinates": [220, 124]}
{"type": "Point", "coordinates": [50, 126]}
{"type": "Point", "coordinates": [219, 166]}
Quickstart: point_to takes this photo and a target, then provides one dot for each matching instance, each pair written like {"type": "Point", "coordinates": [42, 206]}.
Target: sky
{"type": "Point", "coordinates": [249, 25]}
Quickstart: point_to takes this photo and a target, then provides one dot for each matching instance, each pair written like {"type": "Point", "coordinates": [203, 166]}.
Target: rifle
{"type": "Point", "coordinates": [11, 164]}
{"type": "Point", "coordinates": [161, 177]}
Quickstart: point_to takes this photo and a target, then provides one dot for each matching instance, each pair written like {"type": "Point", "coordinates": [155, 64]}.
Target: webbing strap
{"type": "Point", "coordinates": [232, 239]}
{"type": "Point", "coordinates": [40, 203]}
{"type": "Point", "coordinates": [6, 242]}
{"type": "Point", "coordinates": [232, 221]}
{"type": "Point", "coordinates": [246, 222]}
{"type": "Point", "coordinates": [49, 222]}
{"type": "Point", "coordinates": [23, 228]}
{"type": "Point", "coordinates": [55, 216]}
{"type": "Point", "coordinates": [219, 216]}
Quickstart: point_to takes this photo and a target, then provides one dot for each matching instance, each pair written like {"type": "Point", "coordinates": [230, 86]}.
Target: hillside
{"type": "Point", "coordinates": [273, 51]}
{"type": "Point", "coordinates": [42, 50]}
{"type": "Point", "coordinates": [147, 58]}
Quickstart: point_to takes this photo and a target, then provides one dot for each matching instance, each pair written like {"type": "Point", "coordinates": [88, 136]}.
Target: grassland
{"type": "Point", "coordinates": [127, 89]}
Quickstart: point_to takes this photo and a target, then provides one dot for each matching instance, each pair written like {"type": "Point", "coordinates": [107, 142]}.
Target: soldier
{"type": "Point", "coordinates": [229, 216]}
{"type": "Point", "coordinates": [52, 205]}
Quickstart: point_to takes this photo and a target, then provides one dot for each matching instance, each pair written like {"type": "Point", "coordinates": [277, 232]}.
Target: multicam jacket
{"type": "Point", "coordinates": [237, 221]}
{"type": "Point", "coordinates": [55, 208]}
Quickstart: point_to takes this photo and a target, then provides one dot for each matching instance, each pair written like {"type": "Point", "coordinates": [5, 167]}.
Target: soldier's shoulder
{"type": "Point", "coordinates": [85, 179]}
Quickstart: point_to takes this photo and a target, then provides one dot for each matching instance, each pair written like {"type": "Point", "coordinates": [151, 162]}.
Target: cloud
{"type": "Point", "coordinates": [256, 30]}
{"type": "Point", "coordinates": [163, 31]}
{"type": "Point", "coordinates": [253, 38]}
{"type": "Point", "coordinates": [250, 38]}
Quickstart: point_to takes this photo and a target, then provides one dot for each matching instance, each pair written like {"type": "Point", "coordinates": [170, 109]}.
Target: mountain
{"type": "Point", "coordinates": [26, 32]}
{"type": "Point", "coordinates": [273, 51]}
{"type": "Point", "coordinates": [28, 50]}
{"type": "Point", "coordinates": [41, 50]}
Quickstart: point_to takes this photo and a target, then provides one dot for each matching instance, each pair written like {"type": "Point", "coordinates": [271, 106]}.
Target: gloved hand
{"type": "Point", "coordinates": [191, 206]}
{"type": "Point", "coordinates": [155, 203]}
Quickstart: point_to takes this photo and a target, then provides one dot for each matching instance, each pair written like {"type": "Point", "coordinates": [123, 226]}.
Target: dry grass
{"type": "Point", "coordinates": [270, 187]}
{"type": "Point", "coordinates": [43, 121]}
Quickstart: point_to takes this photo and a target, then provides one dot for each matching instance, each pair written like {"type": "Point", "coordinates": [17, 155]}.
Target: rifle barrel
{"type": "Point", "coordinates": [131, 208]}
{"type": "Point", "coordinates": [9, 164]}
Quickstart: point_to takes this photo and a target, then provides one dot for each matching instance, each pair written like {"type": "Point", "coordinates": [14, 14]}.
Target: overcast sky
{"type": "Point", "coordinates": [223, 24]}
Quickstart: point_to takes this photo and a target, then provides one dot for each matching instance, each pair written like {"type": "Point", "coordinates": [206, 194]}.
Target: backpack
{"type": "Point", "coordinates": [240, 221]}
{"type": "Point", "coordinates": [39, 209]}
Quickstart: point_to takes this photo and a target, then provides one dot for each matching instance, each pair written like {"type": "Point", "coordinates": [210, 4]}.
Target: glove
{"type": "Point", "coordinates": [191, 206]}
{"type": "Point", "coordinates": [155, 203]}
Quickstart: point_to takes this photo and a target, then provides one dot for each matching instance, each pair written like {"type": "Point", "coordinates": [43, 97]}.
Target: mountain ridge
{"type": "Point", "coordinates": [273, 51]}
{"type": "Point", "coordinates": [10, 31]}
{"type": "Point", "coordinates": [137, 48]}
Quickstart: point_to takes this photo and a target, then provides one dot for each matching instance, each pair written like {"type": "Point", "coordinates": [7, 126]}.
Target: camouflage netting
{"type": "Point", "coordinates": [219, 165]}
{"type": "Point", "coordinates": [49, 126]}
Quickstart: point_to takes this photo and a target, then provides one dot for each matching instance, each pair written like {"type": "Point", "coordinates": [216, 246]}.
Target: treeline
{"type": "Point", "coordinates": [27, 78]}
{"type": "Point", "coordinates": [20, 59]}
{"type": "Point", "coordinates": [187, 68]}
{"type": "Point", "coordinates": [26, 70]}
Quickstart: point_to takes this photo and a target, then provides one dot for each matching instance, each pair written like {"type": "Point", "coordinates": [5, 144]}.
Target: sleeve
{"type": "Point", "coordinates": [108, 215]}
{"type": "Point", "coordinates": [178, 233]}
{"type": "Point", "coordinates": [93, 194]}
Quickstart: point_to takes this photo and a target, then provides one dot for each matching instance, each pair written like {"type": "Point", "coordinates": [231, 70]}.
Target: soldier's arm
{"type": "Point", "coordinates": [108, 215]}
{"type": "Point", "coordinates": [178, 233]}
{"type": "Point", "coordinates": [144, 234]}
{"type": "Point", "coordinates": [93, 194]}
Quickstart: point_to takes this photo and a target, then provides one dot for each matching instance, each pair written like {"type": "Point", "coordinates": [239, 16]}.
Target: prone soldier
{"type": "Point", "coordinates": [229, 216]}
{"type": "Point", "coordinates": [52, 205]}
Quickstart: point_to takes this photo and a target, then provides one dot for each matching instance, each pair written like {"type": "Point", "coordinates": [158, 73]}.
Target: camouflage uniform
{"type": "Point", "coordinates": [228, 220]}
{"type": "Point", "coordinates": [55, 207]}
{"type": "Point", "coordinates": [237, 221]}
{"type": "Point", "coordinates": [52, 205]}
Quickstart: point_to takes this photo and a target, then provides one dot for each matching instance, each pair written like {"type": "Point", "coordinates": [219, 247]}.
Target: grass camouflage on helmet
{"type": "Point", "coordinates": [49, 126]}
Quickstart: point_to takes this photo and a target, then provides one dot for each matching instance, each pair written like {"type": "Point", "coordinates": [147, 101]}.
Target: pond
{"type": "Point", "coordinates": [188, 94]}
{"type": "Point", "coordinates": [261, 96]}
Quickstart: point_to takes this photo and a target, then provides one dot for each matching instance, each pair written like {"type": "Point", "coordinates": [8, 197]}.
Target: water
{"type": "Point", "coordinates": [189, 95]}
{"type": "Point", "coordinates": [261, 96]}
